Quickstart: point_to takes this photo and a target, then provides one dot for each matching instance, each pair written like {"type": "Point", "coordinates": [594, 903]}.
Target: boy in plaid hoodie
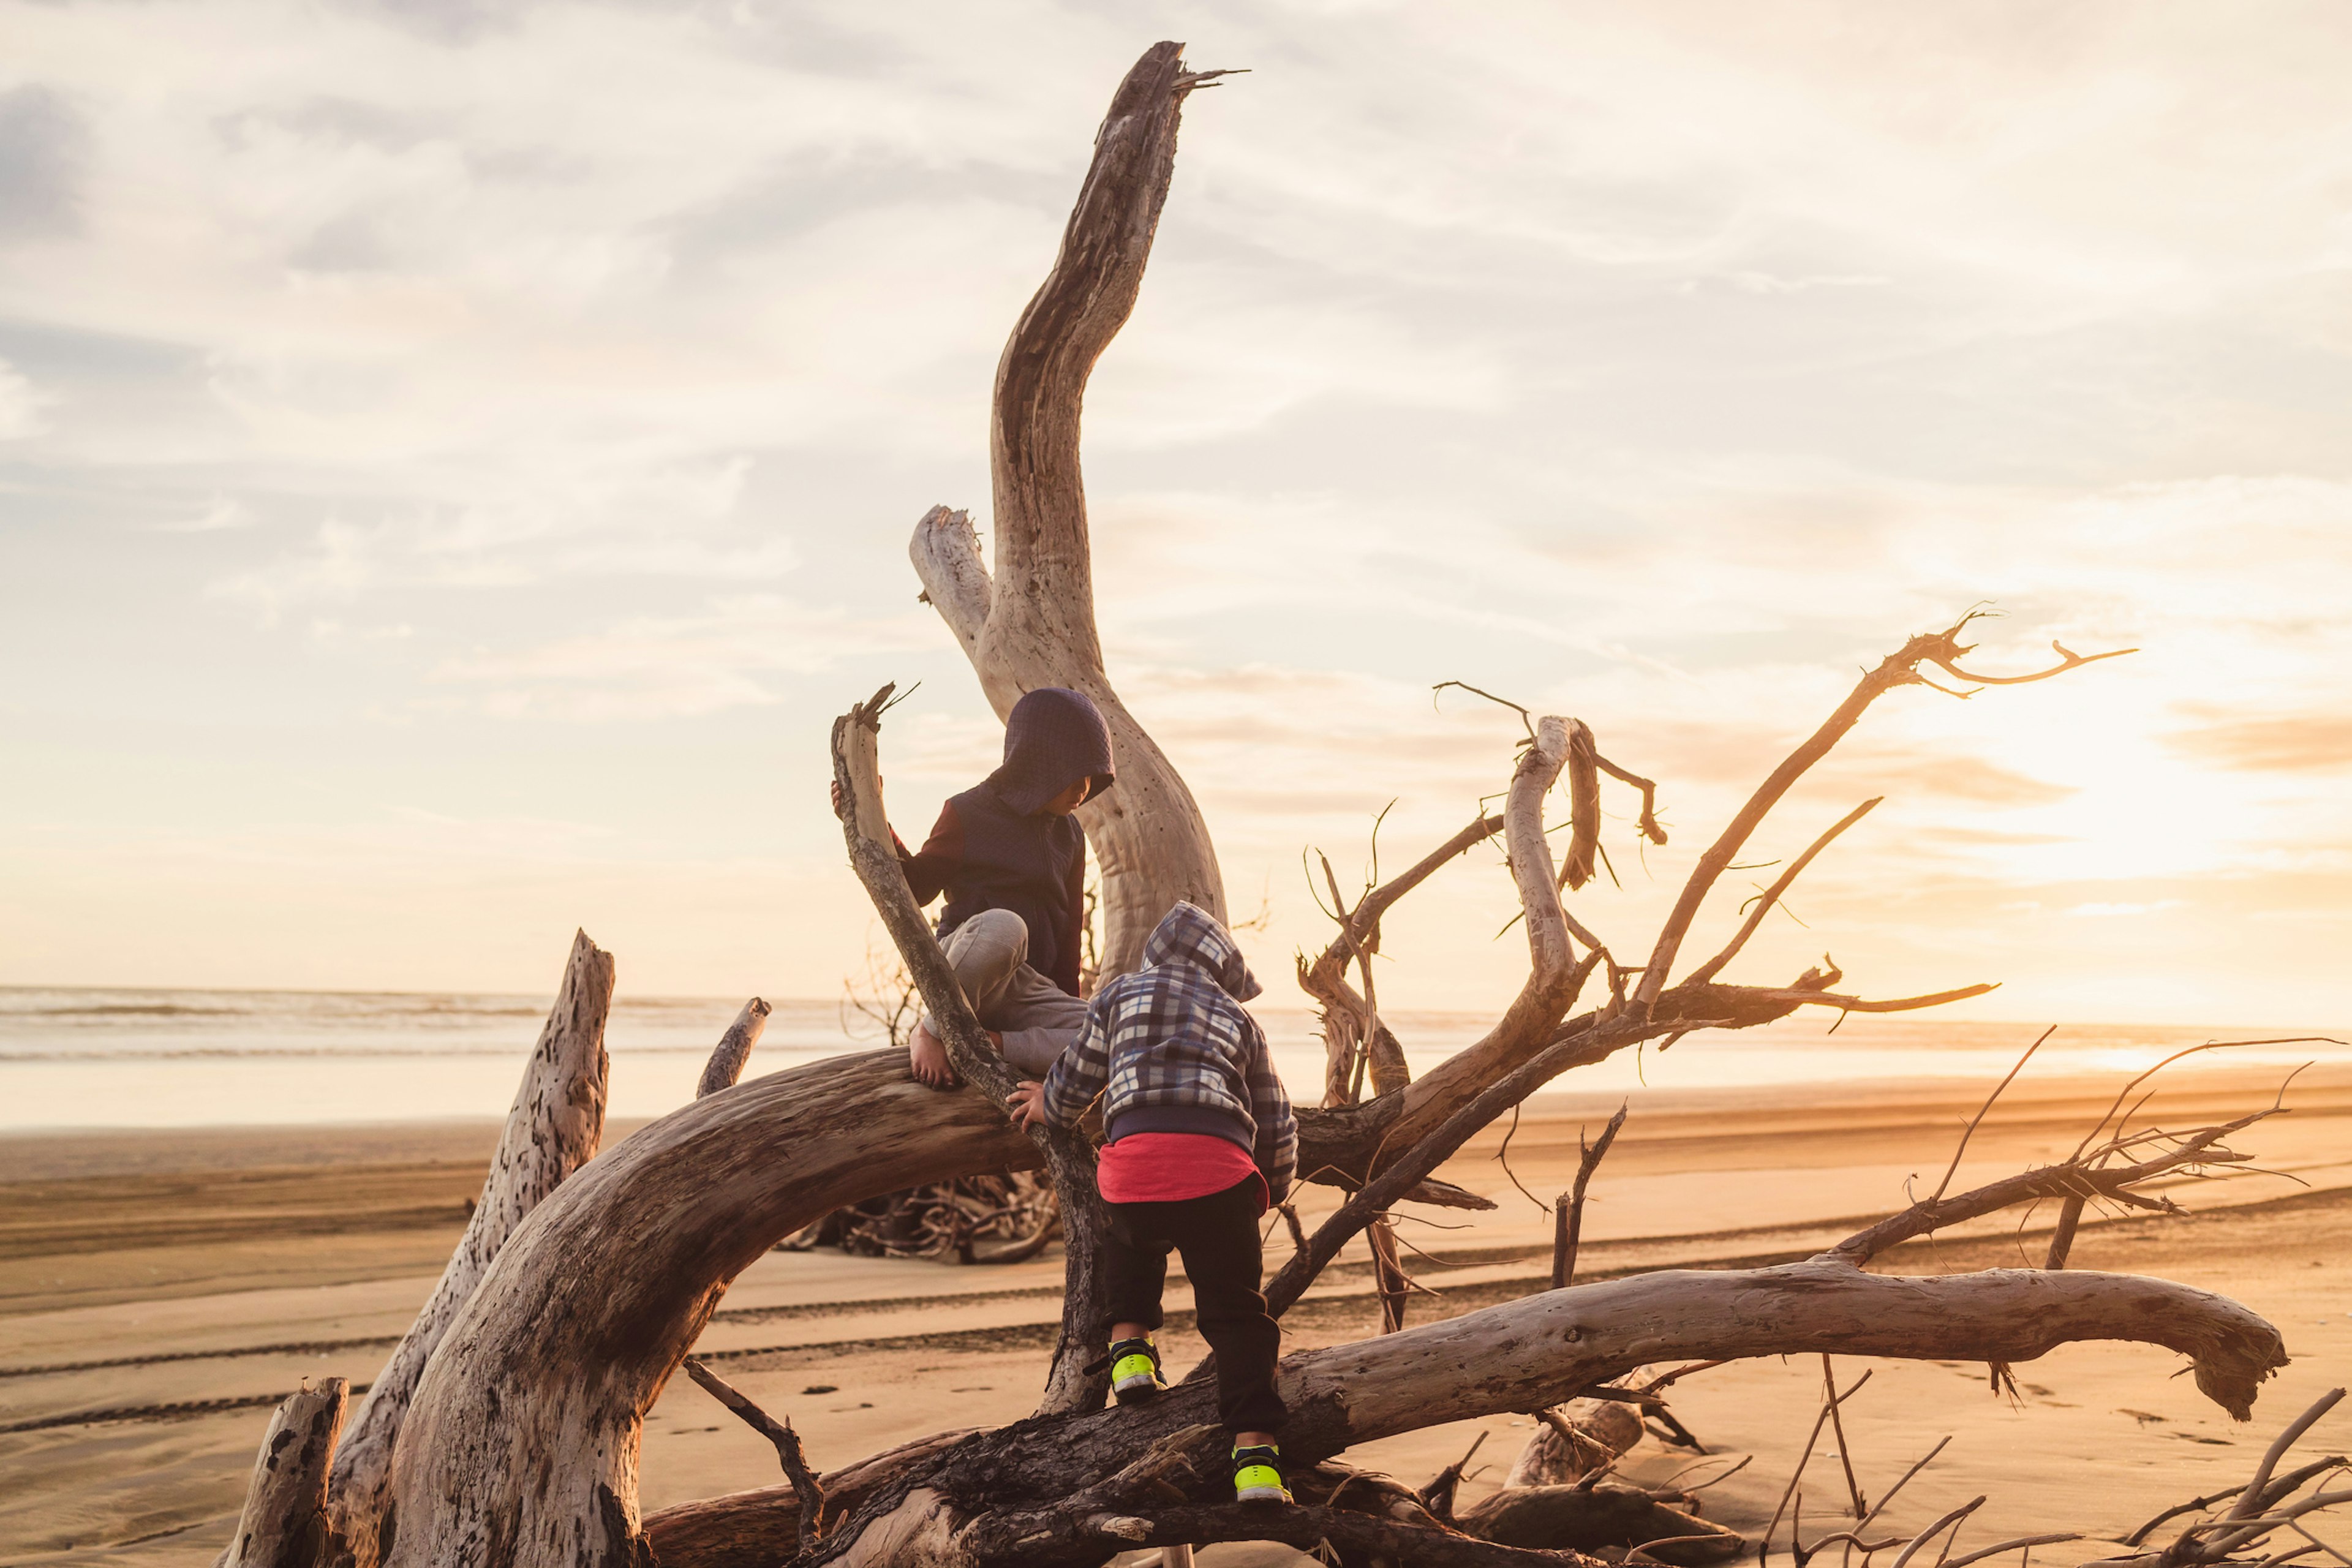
{"type": "Point", "coordinates": [1200, 1141]}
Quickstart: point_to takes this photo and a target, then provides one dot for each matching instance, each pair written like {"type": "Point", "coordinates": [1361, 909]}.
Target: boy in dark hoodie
{"type": "Point", "coordinates": [1201, 1142]}
{"type": "Point", "coordinates": [1013, 864]}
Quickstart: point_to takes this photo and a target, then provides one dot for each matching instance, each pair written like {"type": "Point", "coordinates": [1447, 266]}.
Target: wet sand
{"type": "Point", "coordinates": [160, 1291]}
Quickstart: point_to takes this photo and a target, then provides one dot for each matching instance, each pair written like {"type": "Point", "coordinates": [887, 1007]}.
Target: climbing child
{"type": "Point", "coordinates": [1202, 1140]}
{"type": "Point", "coordinates": [1013, 864]}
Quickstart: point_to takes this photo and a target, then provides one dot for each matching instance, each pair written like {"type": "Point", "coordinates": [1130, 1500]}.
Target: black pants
{"type": "Point", "coordinates": [1219, 1238]}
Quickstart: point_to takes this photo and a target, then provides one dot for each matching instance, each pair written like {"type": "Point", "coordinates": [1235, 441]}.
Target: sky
{"type": "Point", "coordinates": [455, 459]}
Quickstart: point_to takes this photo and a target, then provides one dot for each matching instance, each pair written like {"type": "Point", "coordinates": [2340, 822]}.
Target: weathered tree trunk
{"type": "Point", "coordinates": [1032, 624]}
{"type": "Point", "coordinates": [553, 1128]}
{"type": "Point", "coordinates": [523, 1433]}
{"type": "Point", "coordinates": [284, 1524]}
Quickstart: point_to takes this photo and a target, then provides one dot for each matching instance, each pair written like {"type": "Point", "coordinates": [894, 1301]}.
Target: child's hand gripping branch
{"type": "Point", "coordinates": [1013, 864]}
{"type": "Point", "coordinates": [1200, 1141]}
{"type": "Point", "coordinates": [1027, 1101]}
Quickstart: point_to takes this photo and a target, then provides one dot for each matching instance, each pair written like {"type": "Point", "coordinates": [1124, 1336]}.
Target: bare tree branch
{"type": "Point", "coordinates": [1069, 1158]}
{"type": "Point", "coordinates": [1570, 1207]}
{"type": "Point", "coordinates": [1771, 895]}
{"type": "Point", "coordinates": [1898, 669]}
{"type": "Point", "coordinates": [734, 1049]}
{"type": "Point", "coordinates": [789, 1452]}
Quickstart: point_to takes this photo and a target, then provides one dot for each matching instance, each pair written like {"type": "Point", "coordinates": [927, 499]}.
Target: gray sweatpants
{"type": "Point", "coordinates": [1038, 1019]}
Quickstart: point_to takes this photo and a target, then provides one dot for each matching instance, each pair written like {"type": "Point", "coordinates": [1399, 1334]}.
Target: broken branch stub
{"type": "Point", "coordinates": [1584, 805]}
{"type": "Point", "coordinates": [284, 1522]}
{"type": "Point", "coordinates": [733, 1052]}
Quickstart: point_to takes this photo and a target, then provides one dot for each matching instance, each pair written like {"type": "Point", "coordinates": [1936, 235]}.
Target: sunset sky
{"type": "Point", "coordinates": [455, 460]}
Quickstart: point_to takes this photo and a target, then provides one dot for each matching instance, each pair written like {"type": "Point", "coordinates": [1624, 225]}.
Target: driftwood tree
{"type": "Point", "coordinates": [511, 1433]}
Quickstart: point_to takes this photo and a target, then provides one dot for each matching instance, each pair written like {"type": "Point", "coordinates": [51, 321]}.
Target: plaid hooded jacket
{"type": "Point", "coordinates": [1171, 1051]}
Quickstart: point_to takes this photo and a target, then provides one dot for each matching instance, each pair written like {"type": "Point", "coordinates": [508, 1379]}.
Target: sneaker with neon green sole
{"type": "Point", "coordinates": [1257, 1474]}
{"type": "Point", "coordinates": [1135, 1370]}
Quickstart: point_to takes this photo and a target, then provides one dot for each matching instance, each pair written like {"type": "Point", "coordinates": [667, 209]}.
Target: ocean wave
{"type": "Point", "coordinates": [132, 1010]}
{"type": "Point", "coordinates": [377, 1053]}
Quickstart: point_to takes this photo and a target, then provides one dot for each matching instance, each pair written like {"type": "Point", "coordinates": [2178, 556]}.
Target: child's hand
{"type": "Point", "coordinates": [1027, 1104]}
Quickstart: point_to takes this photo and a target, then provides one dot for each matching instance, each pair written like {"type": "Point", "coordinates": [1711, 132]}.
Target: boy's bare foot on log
{"type": "Point", "coordinates": [927, 1058]}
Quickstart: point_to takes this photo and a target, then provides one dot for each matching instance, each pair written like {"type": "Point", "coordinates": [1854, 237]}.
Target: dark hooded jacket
{"type": "Point", "coordinates": [993, 848]}
{"type": "Point", "coordinates": [1170, 1049]}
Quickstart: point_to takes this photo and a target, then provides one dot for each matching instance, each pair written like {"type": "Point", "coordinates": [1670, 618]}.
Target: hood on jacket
{"type": "Point", "coordinates": [1190, 934]}
{"type": "Point", "coordinates": [1053, 737]}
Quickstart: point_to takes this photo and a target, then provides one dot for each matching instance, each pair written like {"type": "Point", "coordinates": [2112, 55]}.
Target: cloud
{"type": "Point", "coordinates": [672, 667]}
{"type": "Point", "coordinates": [221, 513]}
{"type": "Point", "coordinates": [1953, 778]}
{"type": "Point", "coordinates": [20, 404]}
{"type": "Point", "coordinates": [2301, 743]}
{"type": "Point", "coordinates": [539, 520]}
{"type": "Point", "coordinates": [44, 152]}
{"type": "Point", "coordinates": [2110, 910]}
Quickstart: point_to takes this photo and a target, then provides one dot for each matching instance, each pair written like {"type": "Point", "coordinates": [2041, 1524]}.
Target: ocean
{"type": "Point", "coordinates": [97, 1057]}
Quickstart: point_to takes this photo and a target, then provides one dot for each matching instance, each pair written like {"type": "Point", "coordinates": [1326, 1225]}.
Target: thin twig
{"type": "Point", "coordinates": [1527, 716]}
{"type": "Point", "coordinates": [1668, 1484]}
{"type": "Point", "coordinates": [2022, 1542]}
{"type": "Point", "coordinates": [1898, 669]}
{"type": "Point", "coordinates": [1951, 1520]}
{"type": "Point", "coordinates": [2100, 1125]}
{"type": "Point", "coordinates": [1771, 895]}
{"type": "Point", "coordinates": [787, 1442]}
{"type": "Point", "coordinates": [1979, 1116]}
{"type": "Point", "coordinates": [1563, 1262]}
{"type": "Point", "coordinates": [1924, 1460]}
{"type": "Point", "coordinates": [1764, 1545]}
{"type": "Point", "coordinates": [1837, 1426]}
{"type": "Point", "coordinates": [2254, 1501]}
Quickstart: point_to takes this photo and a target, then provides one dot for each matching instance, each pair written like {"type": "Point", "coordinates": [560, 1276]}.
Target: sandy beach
{"type": "Point", "coordinates": [160, 1290]}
